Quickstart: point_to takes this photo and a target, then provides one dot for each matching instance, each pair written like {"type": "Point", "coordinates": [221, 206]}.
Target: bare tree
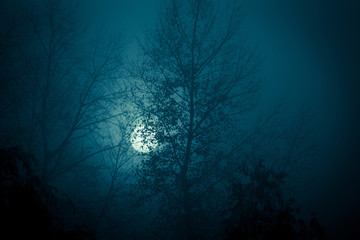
{"type": "Point", "coordinates": [68, 90]}
{"type": "Point", "coordinates": [195, 80]}
{"type": "Point", "coordinates": [117, 170]}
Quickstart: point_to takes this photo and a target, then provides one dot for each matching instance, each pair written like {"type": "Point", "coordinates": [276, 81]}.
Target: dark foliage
{"type": "Point", "coordinates": [29, 207]}
{"type": "Point", "coordinates": [261, 211]}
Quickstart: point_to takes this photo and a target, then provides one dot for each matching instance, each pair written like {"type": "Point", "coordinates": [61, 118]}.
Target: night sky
{"type": "Point", "coordinates": [327, 33]}
{"type": "Point", "coordinates": [311, 54]}
{"type": "Point", "coordinates": [310, 57]}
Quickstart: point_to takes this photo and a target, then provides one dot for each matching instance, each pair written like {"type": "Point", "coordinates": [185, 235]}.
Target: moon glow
{"type": "Point", "coordinates": [143, 140]}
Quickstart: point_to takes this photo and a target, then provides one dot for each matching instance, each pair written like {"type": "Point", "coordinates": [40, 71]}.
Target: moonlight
{"type": "Point", "coordinates": [143, 140]}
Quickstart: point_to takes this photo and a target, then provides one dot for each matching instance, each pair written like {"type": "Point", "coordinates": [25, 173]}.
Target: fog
{"type": "Point", "coordinates": [245, 113]}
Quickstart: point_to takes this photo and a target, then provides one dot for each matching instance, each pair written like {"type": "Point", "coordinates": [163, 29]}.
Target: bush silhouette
{"type": "Point", "coordinates": [261, 210]}
{"type": "Point", "coordinates": [29, 207]}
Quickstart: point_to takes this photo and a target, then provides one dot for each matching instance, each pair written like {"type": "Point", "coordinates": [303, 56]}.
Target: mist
{"type": "Point", "coordinates": [179, 119]}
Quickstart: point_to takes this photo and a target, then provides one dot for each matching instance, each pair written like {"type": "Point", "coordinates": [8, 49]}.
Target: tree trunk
{"type": "Point", "coordinates": [189, 226]}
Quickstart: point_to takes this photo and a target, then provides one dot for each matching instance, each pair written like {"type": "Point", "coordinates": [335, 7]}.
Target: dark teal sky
{"type": "Point", "coordinates": [310, 56]}
{"type": "Point", "coordinates": [316, 42]}
{"type": "Point", "coordinates": [310, 51]}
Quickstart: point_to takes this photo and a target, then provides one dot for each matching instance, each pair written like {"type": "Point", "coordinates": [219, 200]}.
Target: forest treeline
{"type": "Point", "coordinates": [30, 207]}
{"type": "Point", "coordinates": [215, 166]}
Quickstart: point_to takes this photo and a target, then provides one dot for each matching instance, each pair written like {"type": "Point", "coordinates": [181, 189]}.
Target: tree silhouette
{"type": "Point", "coordinates": [193, 86]}
{"type": "Point", "coordinates": [260, 209]}
{"type": "Point", "coordinates": [28, 206]}
{"type": "Point", "coordinates": [194, 80]}
{"type": "Point", "coordinates": [67, 87]}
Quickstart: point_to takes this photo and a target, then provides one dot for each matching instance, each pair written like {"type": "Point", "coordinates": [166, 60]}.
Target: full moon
{"type": "Point", "coordinates": [143, 140]}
